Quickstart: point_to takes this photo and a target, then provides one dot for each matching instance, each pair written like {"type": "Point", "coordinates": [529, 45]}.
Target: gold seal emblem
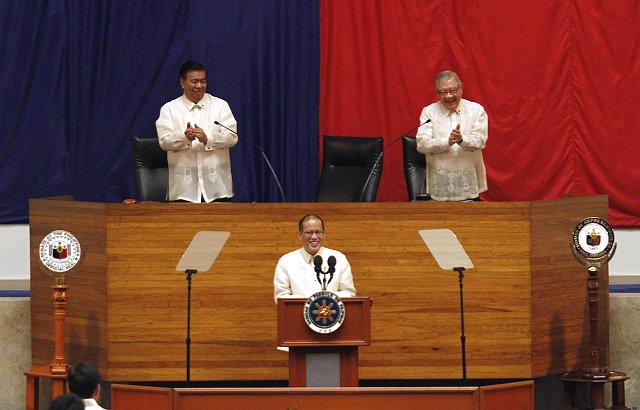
{"type": "Point", "coordinates": [324, 312]}
{"type": "Point", "coordinates": [593, 241]}
{"type": "Point", "coordinates": [59, 253]}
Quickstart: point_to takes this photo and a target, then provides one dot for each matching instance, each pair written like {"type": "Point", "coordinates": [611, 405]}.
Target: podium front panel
{"type": "Point", "coordinates": [354, 331]}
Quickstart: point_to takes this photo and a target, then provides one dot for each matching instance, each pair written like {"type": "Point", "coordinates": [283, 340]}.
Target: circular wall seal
{"type": "Point", "coordinates": [593, 238]}
{"type": "Point", "coordinates": [324, 312]}
{"type": "Point", "coordinates": [60, 251]}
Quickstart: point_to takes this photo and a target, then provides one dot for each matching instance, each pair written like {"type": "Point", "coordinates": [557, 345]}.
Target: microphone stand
{"type": "Point", "coordinates": [366, 183]}
{"type": "Point", "coordinates": [264, 156]}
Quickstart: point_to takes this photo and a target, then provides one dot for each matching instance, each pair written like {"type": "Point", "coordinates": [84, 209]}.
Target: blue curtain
{"type": "Point", "coordinates": [82, 77]}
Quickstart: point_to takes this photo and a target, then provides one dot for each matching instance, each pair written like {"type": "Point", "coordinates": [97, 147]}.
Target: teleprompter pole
{"type": "Point", "coordinates": [463, 338]}
{"type": "Point", "coordinates": [190, 273]}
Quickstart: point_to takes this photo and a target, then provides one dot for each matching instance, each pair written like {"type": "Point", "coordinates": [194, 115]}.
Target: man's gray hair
{"type": "Point", "coordinates": [447, 75]}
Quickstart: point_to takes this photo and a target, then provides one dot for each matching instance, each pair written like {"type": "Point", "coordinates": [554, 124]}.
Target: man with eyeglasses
{"type": "Point", "coordinates": [453, 143]}
{"type": "Point", "coordinates": [295, 275]}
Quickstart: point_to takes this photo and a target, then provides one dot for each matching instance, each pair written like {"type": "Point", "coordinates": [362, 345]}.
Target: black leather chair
{"type": "Point", "coordinates": [415, 165]}
{"type": "Point", "coordinates": [348, 173]}
{"type": "Point", "coordinates": [150, 168]}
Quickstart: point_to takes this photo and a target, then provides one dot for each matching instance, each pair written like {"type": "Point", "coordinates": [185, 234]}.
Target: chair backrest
{"type": "Point", "coordinates": [415, 165]}
{"type": "Point", "coordinates": [151, 169]}
{"type": "Point", "coordinates": [348, 173]}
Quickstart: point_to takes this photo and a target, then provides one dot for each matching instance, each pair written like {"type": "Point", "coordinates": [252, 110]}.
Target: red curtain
{"type": "Point", "coordinates": [560, 81]}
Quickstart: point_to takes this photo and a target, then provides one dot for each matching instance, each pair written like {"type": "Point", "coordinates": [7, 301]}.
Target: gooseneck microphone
{"type": "Point", "coordinates": [317, 266]}
{"type": "Point", "coordinates": [331, 261]}
{"type": "Point", "coordinates": [264, 156]}
{"type": "Point", "coordinates": [382, 152]}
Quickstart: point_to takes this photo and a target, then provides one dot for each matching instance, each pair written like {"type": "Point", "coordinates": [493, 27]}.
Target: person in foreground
{"type": "Point", "coordinates": [84, 380]}
{"type": "Point", "coordinates": [67, 401]}
{"type": "Point", "coordinates": [295, 275]}
{"type": "Point", "coordinates": [197, 148]}
{"type": "Point", "coordinates": [453, 143]}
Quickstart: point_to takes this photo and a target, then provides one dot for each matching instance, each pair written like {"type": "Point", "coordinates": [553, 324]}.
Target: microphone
{"type": "Point", "coordinates": [382, 152]}
{"type": "Point", "coordinates": [259, 148]}
{"type": "Point", "coordinates": [331, 261]}
{"type": "Point", "coordinates": [317, 266]}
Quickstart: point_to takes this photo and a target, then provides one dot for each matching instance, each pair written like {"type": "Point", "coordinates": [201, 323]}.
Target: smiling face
{"type": "Point", "coordinates": [312, 235]}
{"type": "Point", "coordinates": [449, 91]}
{"type": "Point", "coordinates": [194, 85]}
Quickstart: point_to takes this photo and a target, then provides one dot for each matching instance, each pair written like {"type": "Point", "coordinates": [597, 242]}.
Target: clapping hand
{"type": "Point", "coordinates": [455, 136]}
{"type": "Point", "coordinates": [195, 132]}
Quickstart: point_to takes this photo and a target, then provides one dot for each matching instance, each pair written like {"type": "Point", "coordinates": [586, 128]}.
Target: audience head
{"type": "Point", "coordinates": [84, 380]}
{"type": "Point", "coordinates": [67, 401]}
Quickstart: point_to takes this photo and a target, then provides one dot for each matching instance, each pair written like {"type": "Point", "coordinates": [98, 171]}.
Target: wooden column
{"type": "Point", "coordinates": [57, 369]}
{"type": "Point", "coordinates": [59, 365]}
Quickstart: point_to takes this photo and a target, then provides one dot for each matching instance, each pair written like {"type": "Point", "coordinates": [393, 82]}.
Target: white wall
{"type": "Point", "coordinates": [626, 260]}
{"type": "Point", "coordinates": [14, 253]}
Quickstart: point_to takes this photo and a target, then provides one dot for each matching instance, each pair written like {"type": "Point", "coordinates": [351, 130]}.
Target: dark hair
{"type": "Point", "coordinates": [67, 401]}
{"type": "Point", "coordinates": [83, 379]}
{"type": "Point", "coordinates": [306, 218]}
{"type": "Point", "coordinates": [190, 66]}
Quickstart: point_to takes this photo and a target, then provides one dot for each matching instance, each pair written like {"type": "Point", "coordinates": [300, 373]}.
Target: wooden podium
{"type": "Point", "coordinates": [342, 344]}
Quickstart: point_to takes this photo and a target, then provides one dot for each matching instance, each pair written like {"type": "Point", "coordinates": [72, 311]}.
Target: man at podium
{"type": "Point", "coordinates": [295, 274]}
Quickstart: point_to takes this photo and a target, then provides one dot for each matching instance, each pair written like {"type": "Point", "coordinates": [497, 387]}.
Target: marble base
{"type": "Point", "coordinates": [15, 351]}
{"type": "Point", "coordinates": [624, 342]}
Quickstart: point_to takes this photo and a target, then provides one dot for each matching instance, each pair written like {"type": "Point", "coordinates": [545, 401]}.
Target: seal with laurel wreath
{"type": "Point", "coordinates": [324, 312]}
{"type": "Point", "coordinates": [593, 241]}
{"type": "Point", "coordinates": [59, 253]}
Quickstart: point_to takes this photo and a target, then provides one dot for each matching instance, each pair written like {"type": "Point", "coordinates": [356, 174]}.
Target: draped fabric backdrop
{"type": "Point", "coordinates": [82, 77]}
{"type": "Point", "coordinates": [559, 80]}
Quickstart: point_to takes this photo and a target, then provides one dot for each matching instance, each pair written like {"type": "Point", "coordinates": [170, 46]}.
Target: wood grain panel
{"type": "Point", "coordinates": [492, 397]}
{"type": "Point", "coordinates": [525, 300]}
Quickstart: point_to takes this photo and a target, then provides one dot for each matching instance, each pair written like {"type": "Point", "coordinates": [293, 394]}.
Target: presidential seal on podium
{"type": "Point", "coordinates": [324, 312]}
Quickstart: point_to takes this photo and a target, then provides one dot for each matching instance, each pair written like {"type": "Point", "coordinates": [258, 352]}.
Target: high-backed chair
{"type": "Point", "coordinates": [415, 165]}
{"type": "Point", "coordinates": [348, 173]}
{"type": "Point", "coordinates": [150, 168]}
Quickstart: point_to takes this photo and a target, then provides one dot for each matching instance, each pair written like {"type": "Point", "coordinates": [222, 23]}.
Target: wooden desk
{"type": "Point", "coordinates": [525, 301]}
